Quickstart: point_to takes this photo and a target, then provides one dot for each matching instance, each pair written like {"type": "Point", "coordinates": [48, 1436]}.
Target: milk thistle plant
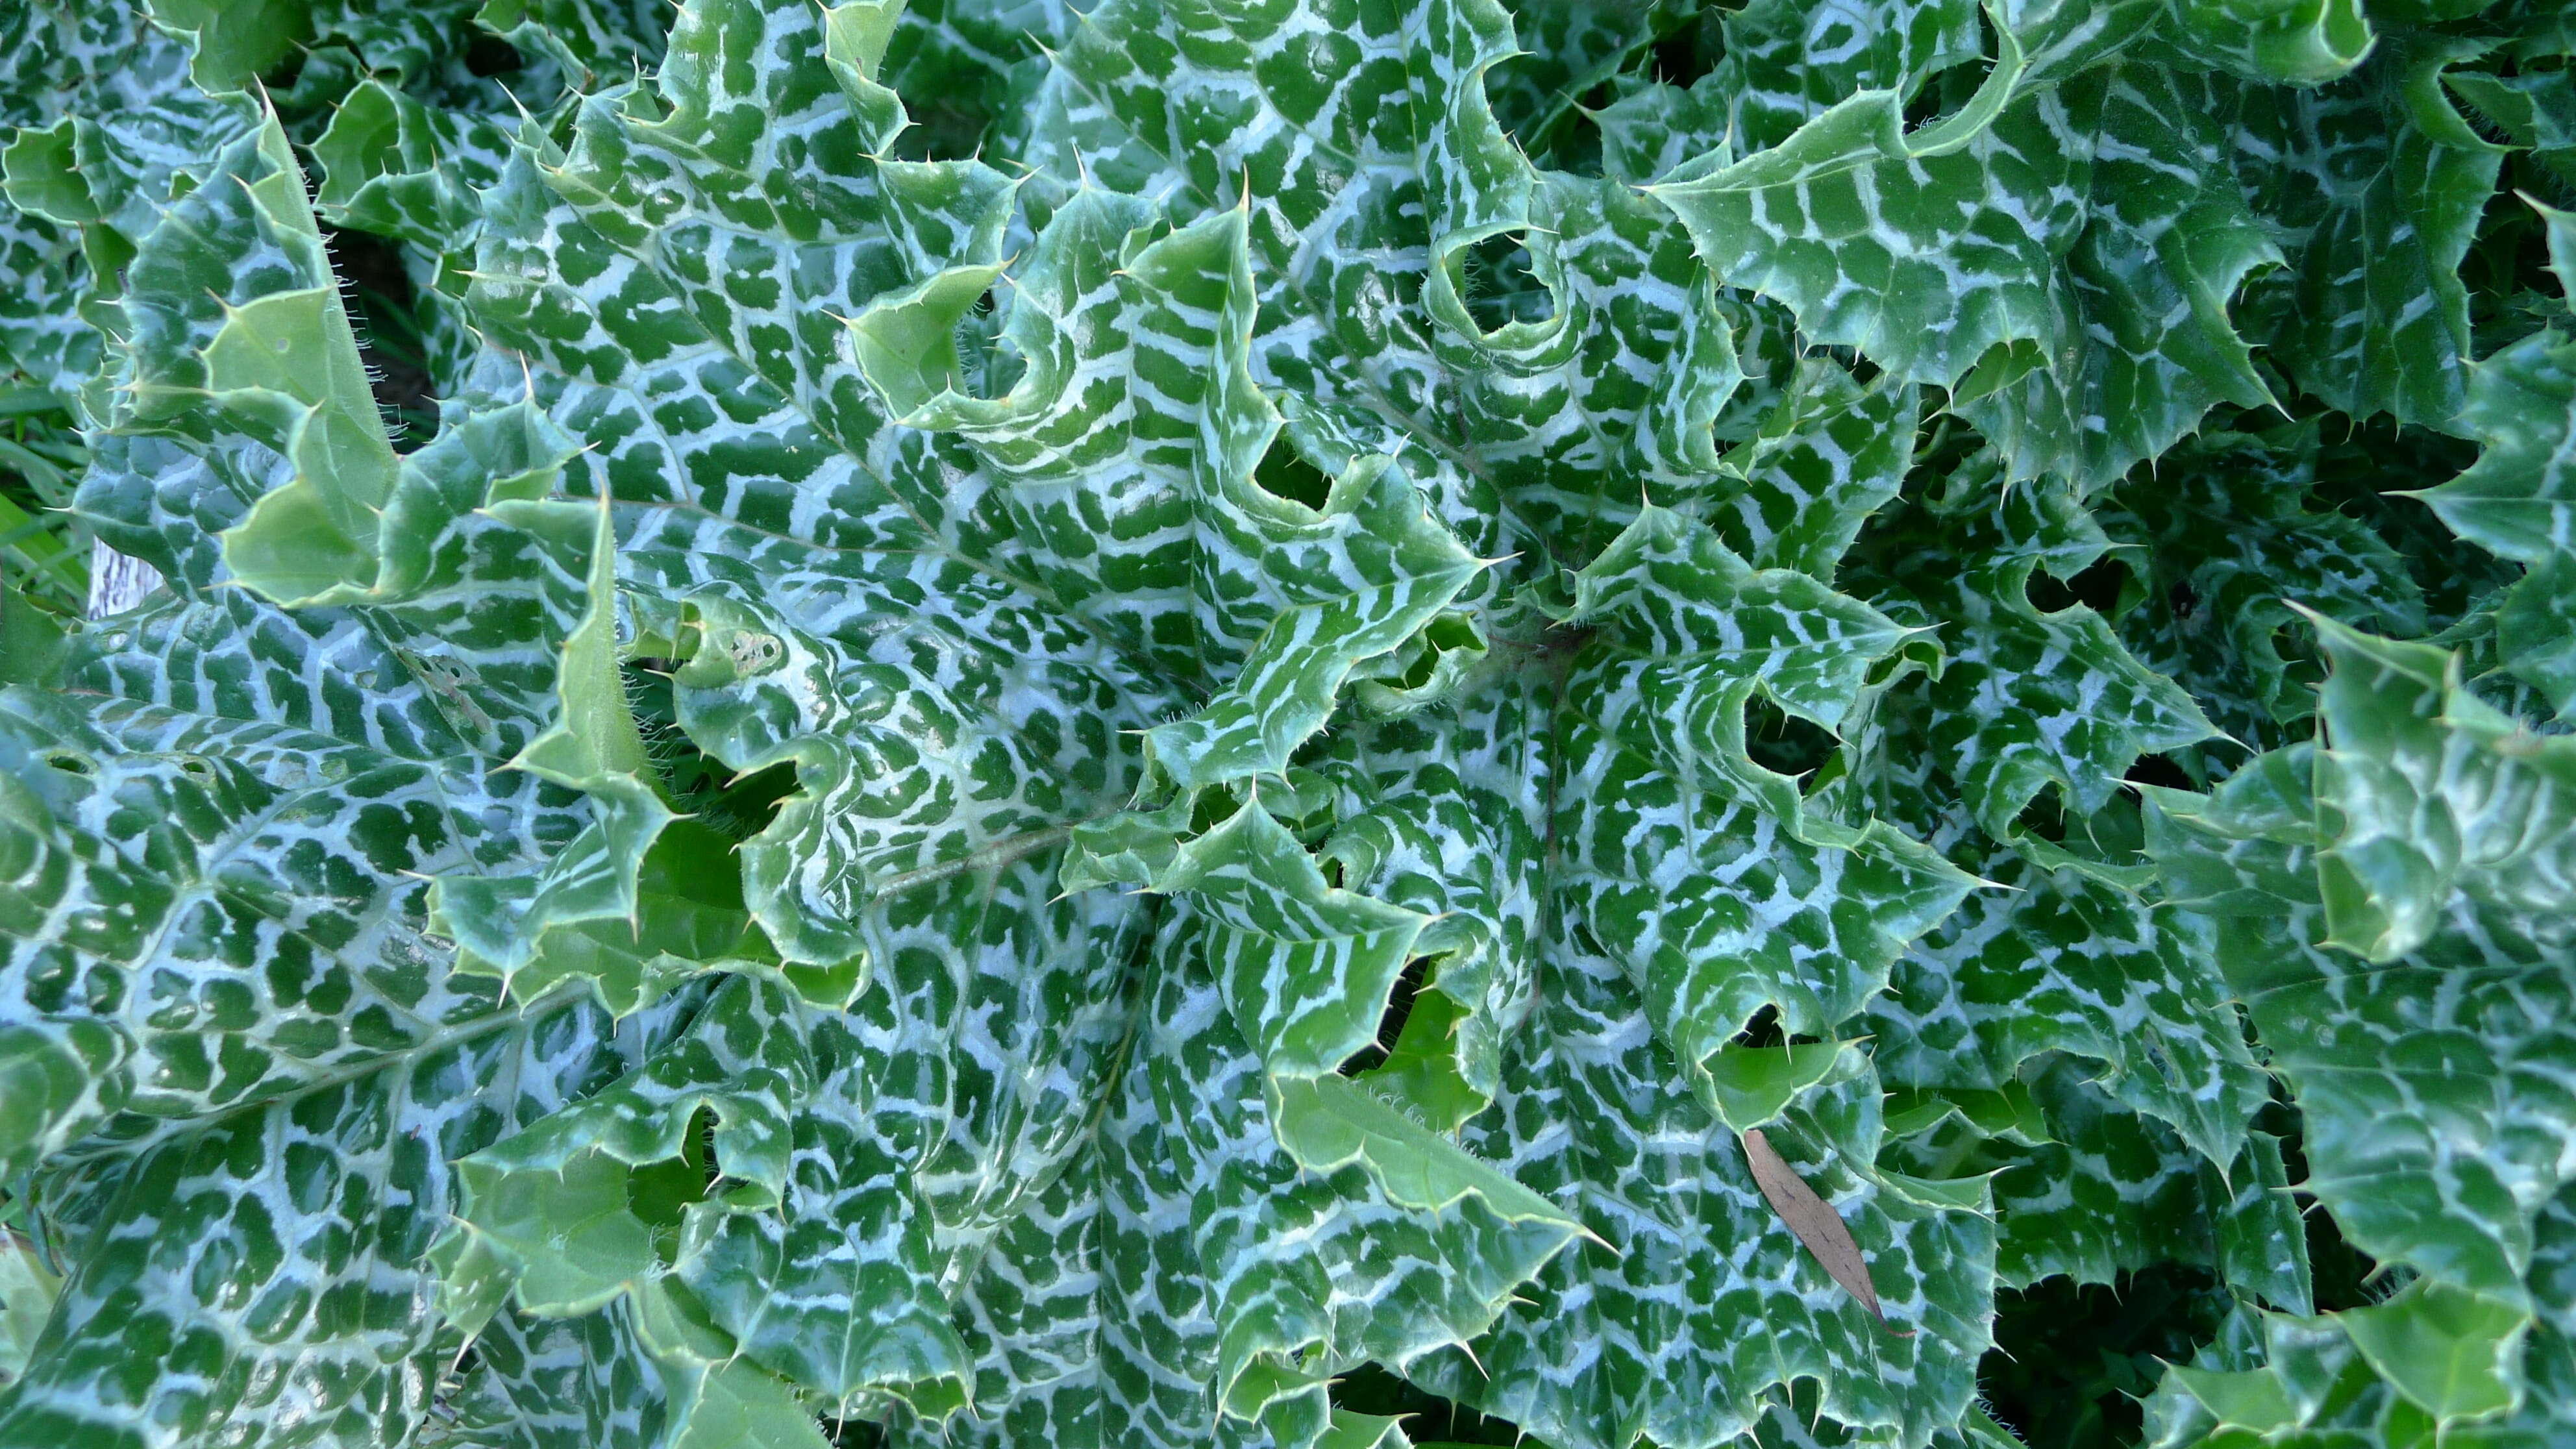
{"type": "Point", "coordinates": [1303, 723]}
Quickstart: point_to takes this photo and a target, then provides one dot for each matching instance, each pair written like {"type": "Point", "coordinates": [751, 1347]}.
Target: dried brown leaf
{"type": "Point", "coordinates": [1814, 1220]}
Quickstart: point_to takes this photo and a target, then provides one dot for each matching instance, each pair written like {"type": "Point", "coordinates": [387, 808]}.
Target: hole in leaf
{"type": "Point", "coordinates": [1414, 663]}
{"type": "Point", "coordinates": [2507, 266]}
{"type": "Point", "coordinates": [1763, 1030]}
{"type": "Point", "coordinates": [1429, 1418]}
{"type": "Point", "coordinates": [943, 127]}
{"type": "Point", "coordinates": [1390, 1024]}
{"type": "Point", "coordinates": [2303, 663]}
{"type": "Point", "coordinates": [2357, 466]}
{"type": "Point", "coordinates": [1531, 98]}
{"type": "Point", "coordinates": [460, 1372]}
{"type": "Point", "coordinates": [1213, 807]}
{"type": "Point", "coordinates": [2182, 600]}
{"type": "Point", "coordinates": [2002, 365]}
{"type": "Point", "coordinates": [487, 54]}
{"type": "Point", "coordinates": [692, 781]}
{"type": "Point", "coordinates": [70, 763]}
{"type": "Point", "coordinates": [1783, 743]}
{"type": "Point", "coordinates": [1500, 286]}
{"type": "Point", "coordinates": [1689, 52]}
{"type": "Point", "coordinates": [741, 809]}
{"type": "Point", "coordinates": [196, 768]}
{"type": "Point", "coordinates": [2071, 1362]}
{"type": "Point", "coordinates": [1952, 89]}
{"type": "Point", "coordinates": [1284, 473]}
{"type": "Point", "coordinates": [2096, 586]}
{"type": "Point", "coordinates": [858, 1434]}
{"type": "Point", "coordinates": [703, 1153]}
{"type": "Point", "coordinates": [383, 310]}
{"type": "Point", "coordinates": [988, 366]}
{"type": "Point", "coordinates": [1571, 143]}
{"type": "Point", "coordinates": [2044, 817]}
{"type": "Point", "coordinates": [1942, 442]}
{"type": "Point", "coordinates": [2160, 770]}
{"type": "Point", "coordinates": [660, 1192]}
{"type": "Point", "coordinates": [1417, 673]}
{"type": "Point", "coordinates": [289, 68]}
{"type": "Point", "coordinates": [754, 652]}
{"type": "Point", "coordinates": [2341, 1275]}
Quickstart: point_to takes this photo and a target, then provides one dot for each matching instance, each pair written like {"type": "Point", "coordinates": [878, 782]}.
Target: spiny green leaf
{"type": "Point", "coordinates": [2302, 42]}
{"type": "Point", "coordinates": [1305, 967]}
{"type": "Point", "coordinates": [1611, 1348]}
{"type": "Point", "coordinates": [2433, 1152]}
{"type": "Point", "coordinates": [2073, 298]}
{"type": "Point", "coordinates": [2224, 548]}
{"type": "Point", "coordinates": [2059, 963]}
{"type": "Point", "coordinates": [2377, 183]}
{"type": "Point", "coordinates": [2086, 1188]}
{"type": "Point", "coordinates": [2425, 795]}
{"type": "Point", "coordinates": [2027, 697]}
{"type": "Point", "coordinates": [2429, 1365]}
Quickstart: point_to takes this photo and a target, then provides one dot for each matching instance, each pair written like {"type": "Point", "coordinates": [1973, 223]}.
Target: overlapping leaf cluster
{"type": "Point", "coordinates": [1091, 722]}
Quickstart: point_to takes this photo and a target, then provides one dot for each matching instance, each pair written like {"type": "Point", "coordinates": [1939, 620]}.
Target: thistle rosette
{"type": "Point", "coordinates": [1171, 724]}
